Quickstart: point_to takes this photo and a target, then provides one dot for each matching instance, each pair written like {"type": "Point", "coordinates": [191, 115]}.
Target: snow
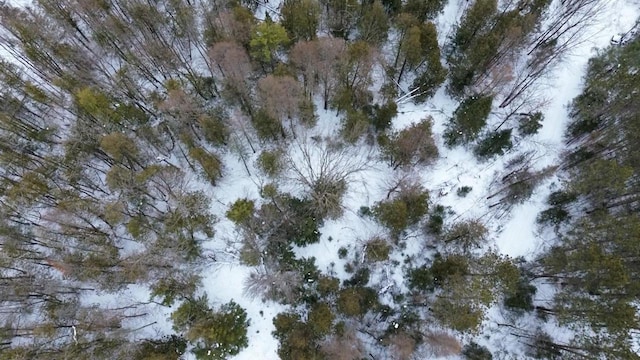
{"type": "Point", "coordinates": [515, 234]}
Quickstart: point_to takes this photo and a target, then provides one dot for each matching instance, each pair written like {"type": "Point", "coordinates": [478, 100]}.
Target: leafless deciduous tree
{"type": "Point", "coordinates": [441, 344]}
{"type": "Point", "coordinates": [317, 60]}
{"type": "Point", "coordinates": [280, 97]}
{"type": "Point", "coordinates": [345, 347]}
{"type": "Point", "coordinates": [324, 169]}
{"type": "Point", "coordinates": [273, 285]}
{"type": "Point", "coordinates": [234, 66]}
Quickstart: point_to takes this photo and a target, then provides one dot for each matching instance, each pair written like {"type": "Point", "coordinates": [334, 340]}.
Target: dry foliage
{"type": "Point", "coordinates": [402, 345]}
{"type": "Point", "coordinates": [280, 96]}
{"type": "Point", "coordinates": [324, 170]}
{"type": "Point", "coordinates": [273, 285]}
{"type": "Point", "coordinates": [442, 344]}
{"type": "Point", "coordinates": [345, 347]}
{"type": "Point", "coordinates": [317, 61]}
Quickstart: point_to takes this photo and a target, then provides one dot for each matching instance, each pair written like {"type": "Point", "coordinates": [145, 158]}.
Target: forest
{"type": "Point", "coordinates": [319, 179]}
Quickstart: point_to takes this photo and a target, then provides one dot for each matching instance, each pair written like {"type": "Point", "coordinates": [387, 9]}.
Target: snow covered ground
{"type": "Point", "coordinates": [515, 234]}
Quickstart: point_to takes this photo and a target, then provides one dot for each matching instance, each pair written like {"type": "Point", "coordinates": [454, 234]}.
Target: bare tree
{"type": "Point", "coordinates": [234, 66]}
{"type": "Point", "coordinates": [345, 347]}
{"type": "Point", "coordinates": [273, 285]}
{"type": "Point", "coordinates": [318, 62]}
{"type": "Point", "coordinates": [280, 97]}
{"type": "Point", "coordinates": [324, 169]}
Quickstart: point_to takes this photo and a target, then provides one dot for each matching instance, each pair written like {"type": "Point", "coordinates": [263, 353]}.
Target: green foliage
{"type": "Point", "coordinates": [473, 351]}
{"type": "Point", "coordinates": [382, 116]}
{"type": "Point", "coordinates": [210, 164]}
{"type": "Point", "coordinates": [342, 252]}
{"type": "Point", "coordinates": [428, 81]}
{"type": "Point", "coordinates": [529, 124]}
{"type": "Point", "coordinates": [373, 25]}
{"type": "Point", "coordinates": [495, 143]}
{"type": "Point", "coordinates": [466, 235]}
{"type": "Point", "coordinates": [356, 301]}
{"type": "Point", "coordinates": [411, 146]}
{"type": "Point", "coordinates": [241, 211]}
{"type": "Point", "coordinates": [407, 209]}
{"type": "Point", "coordinates": [297, 339]}
{"type": "Point", "coordinates": [119, 146]}
{"type": "Point", "coordinates": [360, 278]}
{"type": "Point", "coordinates": [557, 212]}
{"type": "Point", "coordinates": [216, 334]}
{"type": "Point", "coordinates": [443, 268]}
{"type": "Point", "coordinates": [436, 220]}
{"type": "Point", "coordinates": [267, 127]}
{"type": "Point", "coordinates": [174, 288]}
{"type": "Point", "coordinates": [327, 285]}
{"type": "Point", "coordinates": [266, 39]}
{"type": "Point", "coordinates": [320, 319]}
{"type": "Point", "coordinates": [354, 126]}
{"type": "Point", "coordinates": [420, 278]}
{"type": "Point", "coordinates": [463, 191]}
{"type": "Point", "coordinates": [300, 18]}
{"type": "Point", "coordinates": [392, 214]}
{"type": "Point", "coordinates": [270, 162]}
{"type": "Point", "coordinates": [458, 315]}
{"type": "Point", "coordinates": [467, 121]}
{"type": "Point", "coordinates": [424, 9]}
{"type": "Point", "coordinates": [522, 297]}
{"type": "Point", "coordinates": [432, 74]}
{"type": "Point", "coordinates": [165, 348]}
{"type": "Point", "coordinates": [213, 129]}
{"type": "Point", "coordinates": [353, 73]}
{"type": "Point", "coordinates": [307, 113]}
{"type": "Point", "coordinates": [94, 102]}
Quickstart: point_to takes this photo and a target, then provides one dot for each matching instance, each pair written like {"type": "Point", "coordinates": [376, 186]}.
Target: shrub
{"type": "Point", "coordinates": [327, 285]}
{"type": "Point", "coordinates": [356, 301]}
{"type": "Point", "coordinates": [436, 220]}
{"type": "Point", "coordinates": [320, 319]}
{"type": "Point", "coordinates": [420, 278]}
{"type": "Point", "coordinates": [210, 163]}
{"type": "Point", "coordinates": [377, 249]}
{"type": "Point", "coordinates": [354, 126]}
{"type": "Point", "coordinates": [411, 146]}
{"type": "Point", "coordinates": [213, 129]}
{"type": "Point", "coordinates": [382, 116]}
{"type": "Point", "coordinates": [166, 348]}
{"type": "Point", "coordinates": [463, 191]}
{"type": "Point", "coordinates": [530, 123]}
{"type": "Point", "coordinates": [473, 351]}
{"type": "Point", "coordinates": [360, 278]}
{"type": "Point", "coordinates": [554, 215]}
{"type": "Point", "coordinates": [392, 214]}
{"type": "Point", "coordinates": [443, 268]}
{"type": "Point", "coordinates": [307, 114]}
{"type": "Point", "coordinates": [342, 252]}
{"type": "Point", "coordinates": [407, 209]}
{"type": "Point", "coordinates": [267, 127]}
{"type": "Point", "coordinates": [241, 211]}
{"type": "Point", "coordinates": [466, 235]}
{"type": "Point", "coordinates": [172, 288]}
{"type": "Point", "coordinates": [270, 162]}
